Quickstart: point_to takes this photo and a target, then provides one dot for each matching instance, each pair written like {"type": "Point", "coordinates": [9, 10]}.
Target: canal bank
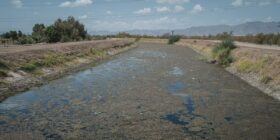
{"type": "Point", "coordinates": [40, 64]}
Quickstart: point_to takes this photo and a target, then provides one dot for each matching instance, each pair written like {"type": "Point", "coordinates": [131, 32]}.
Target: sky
{"type": "Point", "coordinates": [122, 15]}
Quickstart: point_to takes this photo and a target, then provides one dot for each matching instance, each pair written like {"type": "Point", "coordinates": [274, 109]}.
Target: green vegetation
{"type": "Point", "coordinates": [47, 61]}
{"type": "Point", "coordinates": [55, 60]}
{"type": "Point", "coordinates": [3, 69]}
{"type": "Point", "coordinates": [265, 79]}
{"type": "Point", "coordinates": [137, 39]}
{"type": "Point", "coordinates": [61, 31]}
{"type": "Point", "coordinates": [174, 39]}
{"type": "Point", "coordinates": [245, 66]}
{"type": "Point", "coordinates": [97, 52]}
{"type": "Point", "coordinates": [52, 60]}
{"type": "Point", "coordinates": [26, 40]}
{"type": "Point", "coordinates": [28, 67]}
{"type": "Point", "coordinates": [3, 73]}
{"type": "Point", "coordinates": [222, 52]}
{"type": "Point", "coordinates": [3, 65]}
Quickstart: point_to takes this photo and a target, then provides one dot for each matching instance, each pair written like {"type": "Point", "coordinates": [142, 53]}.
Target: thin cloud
{"type": "Point", "coordinates": [143, 11]}
{"type": "Point", "coordinates": [83, 17]}
{"type": "Point", "coordinates": [163, 9]}
{"type": "Point", "coordinates": [197, 8]}
{"type": "Point", "coordinates": [264, 3]}
{"type": "Point", "coordinates": [237, 3]}
{"type": "Point", "coordinates": [148, 24]}
{"type": "Point", "coordinates": [172, 1]}
{"type": "Point", "coordinates": [76, 3]}
{"type": "Point", "coordinates": [268, 19]}
{"type": "Point", "coordinates": [17, 3]}
{"type": "Point", "coordinates": [179, 8]}
{"type": "Point", "coordinates": [108, 12]}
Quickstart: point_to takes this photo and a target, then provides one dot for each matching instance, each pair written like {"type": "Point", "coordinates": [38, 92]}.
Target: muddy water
{"type": "Point", "coordinates": [151, 92]}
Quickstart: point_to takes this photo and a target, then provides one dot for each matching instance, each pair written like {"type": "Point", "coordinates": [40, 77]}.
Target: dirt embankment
{"type": "Point", "coordinates": [22, 67]}
{"type": "Point", "coordinates": [153, 40]}
{"type": "Point", "coordinates": [258, 66]}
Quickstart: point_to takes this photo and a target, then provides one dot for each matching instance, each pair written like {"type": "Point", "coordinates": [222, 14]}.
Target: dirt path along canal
{"type": "Point", "coordinates": [151, 92]}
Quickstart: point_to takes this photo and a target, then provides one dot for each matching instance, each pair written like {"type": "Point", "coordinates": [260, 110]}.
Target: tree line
{"type": "Point", "coordinates": [66, 30]}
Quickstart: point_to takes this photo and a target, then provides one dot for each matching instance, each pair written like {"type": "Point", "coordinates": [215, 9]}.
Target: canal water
{"type": "Point", "coordinates": [151, 92]}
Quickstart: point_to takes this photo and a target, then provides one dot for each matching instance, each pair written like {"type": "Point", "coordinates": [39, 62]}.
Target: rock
{"type": "Point", "coordinates": [212, 61]}
{"type": "Point", "coordinates": [198, 122]}
{"type": "Point", "coordinates": [195, 129]}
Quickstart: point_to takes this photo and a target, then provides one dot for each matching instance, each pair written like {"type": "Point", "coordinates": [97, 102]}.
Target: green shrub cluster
{"type": "Point", "coordinates": [3, 69]}
{"type": "Point", "coordinates": [97, 52]}
{"type": "Point", "coordinates": [3, 73]}
{"type": "Point", "coordinates": [265, 79]}
{"type": "Point", "coordinates": [29, 67]}
{"type": "Point", "coordinates": [26, 40]}
{"type": "Point", "coordinates": [222, 52]}
{"type": "Point", "coordinates": [66, 30]}
{"type": "Point", "coordinates": [47, 61]}
{"type": "Point", "coordinates": [174, 39]}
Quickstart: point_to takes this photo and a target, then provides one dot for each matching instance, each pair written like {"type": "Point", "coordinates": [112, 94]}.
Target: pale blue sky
{"type": "Point", "coordinates": [119, 15]}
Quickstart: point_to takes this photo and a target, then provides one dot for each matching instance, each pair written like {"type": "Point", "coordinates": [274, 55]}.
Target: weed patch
{"type": "Point", "coordinates": [3, 66]}
{"type": "Point", "coordinates": [97, 52]}
{"type": "Point", "coordinates": [265, 79]}
{"type": "Point", "coordinates": [47, 61]}
{"type": "Point", "coordinates": [245, 66]}
{"type": "Point", "coordinates": [3, 73]}
{"type": "Point", "coordinates": [173, 39]}
{"type": "Point", "coordinates": [248, 66]}
{"type": "Point", "coordinates": [28, 67]}
{"type": "Point", "coordinates": [222, 52]}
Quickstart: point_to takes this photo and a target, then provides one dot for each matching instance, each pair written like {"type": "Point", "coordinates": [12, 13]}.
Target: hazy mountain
{"type": "Point", "coordinates": [241, 29]}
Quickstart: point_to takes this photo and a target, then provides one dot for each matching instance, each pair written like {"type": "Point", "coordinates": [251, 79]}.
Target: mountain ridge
{"type": "Point", "coordinates": [239, 29]}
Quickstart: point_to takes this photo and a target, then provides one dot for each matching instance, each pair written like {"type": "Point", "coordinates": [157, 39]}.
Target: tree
{"type": "Point", "coordinates": [52, 34]}
{"type": "Point", "coordinates": [38, 33]}
{"type": "Point", "coordinates": [10, 35]}
{"type": "Point", "coordinates": [38, 29]}
{"type": "Point", "coordinates": [20, 34]}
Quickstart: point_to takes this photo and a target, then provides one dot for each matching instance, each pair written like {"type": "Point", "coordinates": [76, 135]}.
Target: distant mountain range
{"type": "Point", "coordinates": [241, 29]}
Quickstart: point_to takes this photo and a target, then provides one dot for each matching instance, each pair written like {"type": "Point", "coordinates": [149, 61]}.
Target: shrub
{"type": "Point", "coordinates": [51, 60]}
{"type": "Point", "coordinates": [173, 39]}
{"type": "Point", "coordinates": [222, 52]}
{"type": "Point", "coordinates": [222, 55]}
{"type": "Point", "coordinates": [265, 79]}
{"type": "Point", "coordinates": [3, 73]}
{"type": "Point", "coordinates": [29, 67]}
{"type": "Point", "coordinates": [26, 40]}
{"type": "Point", "coordinates": [137, 39]}
{"type": "Point", "coordinates": [3, 65]}
{"type": "Point", "coordinates": [227, 43]}
{"type": "Point", "coordinates": [96, 52]}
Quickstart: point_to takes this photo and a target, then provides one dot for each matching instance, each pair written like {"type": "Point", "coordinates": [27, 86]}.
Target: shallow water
{"type": "Point", "coordinates": [150, 92]}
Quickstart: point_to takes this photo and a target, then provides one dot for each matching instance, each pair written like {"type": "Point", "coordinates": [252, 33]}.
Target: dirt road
{"type": "Point", "coordinates": [251, 45]}
{"type": "Point", "coordinates": [151, 92]}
